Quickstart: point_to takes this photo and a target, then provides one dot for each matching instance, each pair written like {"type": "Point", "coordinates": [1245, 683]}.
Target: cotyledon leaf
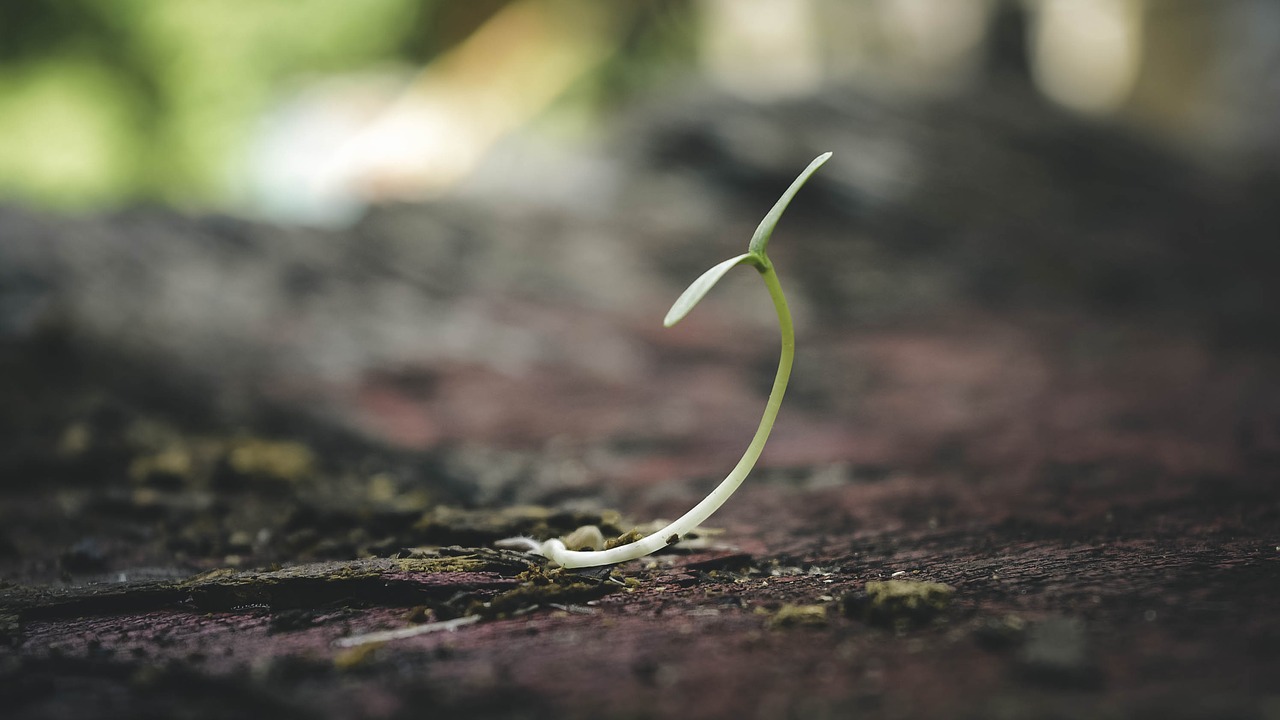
{"type": "Point", "coordinates": [701, 287]}
{"type": "Point", "coordinates": [761, 237]}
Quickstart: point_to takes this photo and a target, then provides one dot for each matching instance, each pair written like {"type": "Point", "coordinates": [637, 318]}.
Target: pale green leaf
{"type": "Point", "coordinates": [693, 294]}
{"type": "Point", "coordinates": [765, 230]}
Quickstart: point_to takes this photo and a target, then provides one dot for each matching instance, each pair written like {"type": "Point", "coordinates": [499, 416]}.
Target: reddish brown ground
{"type": "Point", "coordinates": [1040, 368]}
{"type": "Point", "coordinates": [1110, 523]}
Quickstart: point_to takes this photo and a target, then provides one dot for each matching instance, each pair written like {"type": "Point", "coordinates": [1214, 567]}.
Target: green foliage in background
{"type": "Point", "coordinates": [127, 99]}
{"type": "Point", "coordinates": [103, 102]}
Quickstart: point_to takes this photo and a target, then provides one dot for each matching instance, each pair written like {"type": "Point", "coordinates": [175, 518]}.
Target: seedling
{"type": "Point", "coordinates": [556, 549]}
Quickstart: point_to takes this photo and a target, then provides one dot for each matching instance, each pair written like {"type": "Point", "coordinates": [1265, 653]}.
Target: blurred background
{"type": "Point", "coordinates": [309, 110]}
{"type": "Point", "coordinates": [296, 280]}
{"type": "Point", "coordinates": [1047, 239]}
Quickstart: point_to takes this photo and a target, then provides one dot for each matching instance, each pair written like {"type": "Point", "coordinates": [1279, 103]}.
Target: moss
{"type": "Point", "coordinates": [358, 582]}
{"type": "Point", "coordinates": [378, 581]}
{"type": "Point", "coordinates": [275, 460]}
{"type": "Point", "coordinates": [999, 633]}
{"type": "Point", "coordinates": [541, 587]}
{"type": "Point", "coordinates": [174, 463]}
{"type": "Point", "coordinates": [355, 657]}
{"type": "Point", "coordinates": [480, 528]}
{"type": "Point", "coordinates": [899, 604]}
{"type": "Point", "coordinates": [460, 563]}
{"type": "Point", "coordinates": [799, 616]}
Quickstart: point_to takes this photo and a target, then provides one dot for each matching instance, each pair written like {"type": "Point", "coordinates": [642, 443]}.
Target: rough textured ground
{"type": "Point", "coordinates": [1037, 366]}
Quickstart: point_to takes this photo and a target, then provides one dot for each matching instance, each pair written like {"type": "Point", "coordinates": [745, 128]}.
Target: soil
{"type": "Point", "coordinates": [1010, 480]}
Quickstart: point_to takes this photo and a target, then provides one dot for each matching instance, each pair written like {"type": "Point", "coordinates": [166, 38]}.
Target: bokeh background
{"type": "Point", "coordinates": [302, 110]}
{"type": "Point", "coordinates": [452, 224]}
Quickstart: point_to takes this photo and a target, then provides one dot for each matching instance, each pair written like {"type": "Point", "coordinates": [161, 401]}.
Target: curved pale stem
{"type": "Point", "coordinates": [555, 549]}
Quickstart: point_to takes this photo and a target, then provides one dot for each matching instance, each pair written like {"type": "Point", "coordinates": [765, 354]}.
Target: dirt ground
{"type": "Point", "coordinates": [1013, 478]}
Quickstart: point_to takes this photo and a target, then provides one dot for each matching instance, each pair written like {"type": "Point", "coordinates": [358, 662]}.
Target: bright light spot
{"type": "Point", "coordinates": [761, 49]}
{"type": "Point", "coordinates": [1086, 53]}
{"type": "Point", "coordinates": [937, 39]}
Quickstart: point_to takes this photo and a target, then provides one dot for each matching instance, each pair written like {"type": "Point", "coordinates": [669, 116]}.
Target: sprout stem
{"type": "Point", "coordinates": [755, 256]}
{"type": "Point", "coordinates": [555, 550]}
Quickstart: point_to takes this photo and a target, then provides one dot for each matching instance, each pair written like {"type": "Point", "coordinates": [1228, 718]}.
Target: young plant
{"type": "Point", "coordinates": [556, 550]}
